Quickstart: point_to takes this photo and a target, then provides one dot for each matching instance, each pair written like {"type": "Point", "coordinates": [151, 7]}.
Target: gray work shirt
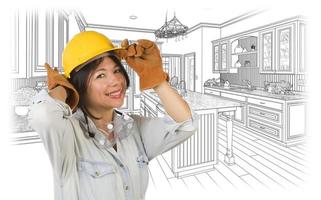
{"type": "Point", "coordinates": [89, 168]}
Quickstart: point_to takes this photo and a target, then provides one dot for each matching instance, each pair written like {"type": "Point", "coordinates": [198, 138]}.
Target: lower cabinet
{"type": "Point", "coordinates": [265, 121]}
{"type": "Point", "coordinates": [265, 114]}
{"type": "Point", "coordinates": [296, 123]}
{"type": "Point", "coordinates": [280, 121]}
{"type": "Point", "coordinates": [264, 128]}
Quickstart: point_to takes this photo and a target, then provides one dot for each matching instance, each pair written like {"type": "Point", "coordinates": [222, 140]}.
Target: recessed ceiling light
{"type": "Point", "coordinates": [133, 17]}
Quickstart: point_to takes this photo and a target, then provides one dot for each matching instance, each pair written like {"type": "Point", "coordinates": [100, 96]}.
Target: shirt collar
{"type": "Point", "coordinates": [122, 122]}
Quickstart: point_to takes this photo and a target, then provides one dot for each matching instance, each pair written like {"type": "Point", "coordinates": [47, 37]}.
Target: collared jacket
{"type": "Point", "coordinates": [89, 168]}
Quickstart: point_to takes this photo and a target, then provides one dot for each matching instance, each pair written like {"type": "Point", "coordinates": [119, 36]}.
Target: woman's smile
{"type": "Point", "coordinates": [116, 94]}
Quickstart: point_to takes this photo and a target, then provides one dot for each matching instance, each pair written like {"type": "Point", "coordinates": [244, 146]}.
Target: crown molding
{"type": "Point", "coordinates": [83, 24]}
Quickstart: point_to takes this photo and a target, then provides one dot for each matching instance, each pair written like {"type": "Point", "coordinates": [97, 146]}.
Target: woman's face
{"type": "Point", "coordinates": [106, 86]}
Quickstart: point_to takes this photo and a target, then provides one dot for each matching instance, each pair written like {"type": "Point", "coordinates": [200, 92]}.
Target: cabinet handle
{"type": "Point", "coordinates": [261, 113]}
{"type": "Point", "coordinates": [262, 102]}
{"type": "Point", "coordinates": [262, 127]}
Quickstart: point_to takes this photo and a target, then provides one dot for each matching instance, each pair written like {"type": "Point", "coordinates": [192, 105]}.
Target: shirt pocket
{"type": "Point", "coordinates": [97, 179]}
{"type": "Point", "coordinates": [96, 169]}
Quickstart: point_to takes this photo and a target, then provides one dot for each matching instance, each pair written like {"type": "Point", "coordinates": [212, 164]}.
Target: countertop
{"type": "Point", "coordinates": [258, 92]}
{"type": "Point", "coordinates": [199, 101]}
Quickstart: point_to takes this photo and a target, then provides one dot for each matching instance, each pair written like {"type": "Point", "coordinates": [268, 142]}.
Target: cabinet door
{"type": "Point", "coordinates": [296, 123]}
{"type": "Point", "coordinates": [216, 58]}
{"type": "Point", "coordinates": [224, 56]}
{"type": "Point", "coordinates": [267, 53]}
{"type": "Point", "coordinates": [284, 49]}
{"type": "Point", "coordinates": [240, 113]}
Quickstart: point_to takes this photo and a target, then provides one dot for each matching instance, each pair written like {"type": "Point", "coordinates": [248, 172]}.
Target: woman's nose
{"type": "Point", "coordinates": [113, 79]}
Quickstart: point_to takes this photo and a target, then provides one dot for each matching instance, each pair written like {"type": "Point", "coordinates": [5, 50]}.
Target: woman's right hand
{"type": "Point", "coordinates": [66, 92]}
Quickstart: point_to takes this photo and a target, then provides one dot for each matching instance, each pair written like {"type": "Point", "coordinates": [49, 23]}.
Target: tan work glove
{"type": "Point", "coordinates": [144, 57]}
{"type": "Point", "coordinates": [54, 79]}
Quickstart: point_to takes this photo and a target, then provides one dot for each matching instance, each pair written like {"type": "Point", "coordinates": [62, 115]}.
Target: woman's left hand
{"type": "Point", "coordinates": [144, 57]}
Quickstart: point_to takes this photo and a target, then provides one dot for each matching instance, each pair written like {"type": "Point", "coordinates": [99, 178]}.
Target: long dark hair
{"type": "Point", "coordinates": [79, 79]}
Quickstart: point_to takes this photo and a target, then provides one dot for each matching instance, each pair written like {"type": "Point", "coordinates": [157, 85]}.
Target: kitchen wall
{"type": "Point", "coordinates": [262, 18]}
{"type": "Point", "coordinates": [199, 42]}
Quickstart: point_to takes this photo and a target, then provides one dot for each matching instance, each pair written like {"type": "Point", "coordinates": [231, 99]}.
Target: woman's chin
{"type": "Point", "coordinates": [118, 104]}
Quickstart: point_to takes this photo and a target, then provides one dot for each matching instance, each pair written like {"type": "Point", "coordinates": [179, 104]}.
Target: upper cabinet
{"type": "Point", "coordinates": [39, 37]}
{"type": "Point", "coordinates": [277, 48]}
{"type": "Point", "coordinates": [244, 52]}
{"type": "Point", "coordinates": [282, 48]}
{"type": "Point", "coordinates": [221, 56]}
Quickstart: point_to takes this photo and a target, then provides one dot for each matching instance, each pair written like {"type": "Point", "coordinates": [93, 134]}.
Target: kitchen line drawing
{"type": "Point", "coordinates": [248, 87]}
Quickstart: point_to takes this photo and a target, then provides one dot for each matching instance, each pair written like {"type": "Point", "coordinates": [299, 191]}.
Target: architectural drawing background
{"type": "Point", "coordinates": [12, 168]}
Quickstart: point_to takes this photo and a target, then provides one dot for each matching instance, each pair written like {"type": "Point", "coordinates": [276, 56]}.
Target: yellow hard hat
{"type": "Point", "coordinates": [83, 47]}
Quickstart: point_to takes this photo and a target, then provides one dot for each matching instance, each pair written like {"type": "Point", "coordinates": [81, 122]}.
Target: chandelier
{"type": "Point", "coordinates": [171, 29]}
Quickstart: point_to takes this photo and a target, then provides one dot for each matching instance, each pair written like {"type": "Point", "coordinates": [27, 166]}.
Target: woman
{"type": "Point", "coordinates": [98, 152]}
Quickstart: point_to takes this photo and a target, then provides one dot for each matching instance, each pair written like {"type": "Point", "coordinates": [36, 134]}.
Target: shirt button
{"type": "Point", "coordinates": [121, 165]}
{"type": "Point", "coordinates": [126, 117]}
{"type": "Point", "coordinates": [129, 126]}
{"type": "Point", "coordinates": [126, 187]}
{"type": "Point", "coordinates": [97, 173]}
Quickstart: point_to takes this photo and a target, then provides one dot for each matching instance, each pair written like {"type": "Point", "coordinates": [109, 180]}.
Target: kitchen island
{"type": "Point", "coordinates": [199, 152]}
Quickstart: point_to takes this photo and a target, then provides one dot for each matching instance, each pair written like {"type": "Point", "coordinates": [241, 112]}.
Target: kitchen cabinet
{"type": "Point", "coordinates": [39, 37]}
{"type": "Point", "coordinates": [221, 56]}
{"type": "Point", "coordinates": [276, 48]}
{"type": "Point", "coordinates": [265, 117]}
{"type": "Point", "coordinates": [285, 49]}
{"type": "Point", "coordinates": [296, 123]}
{"type": "Point", "coordinates": [278, 118]}
{"type": "Point", "coordinates": [244, 52]}
{"type": "Point", "coordinates": [282, 48]}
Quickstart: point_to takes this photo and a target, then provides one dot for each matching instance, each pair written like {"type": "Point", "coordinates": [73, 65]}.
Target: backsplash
{"type": "Point", "coordinates": [257, 79]}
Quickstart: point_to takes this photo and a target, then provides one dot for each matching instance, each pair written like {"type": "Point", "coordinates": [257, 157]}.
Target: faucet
{"type": "Point", "coordinates": [248, 84]}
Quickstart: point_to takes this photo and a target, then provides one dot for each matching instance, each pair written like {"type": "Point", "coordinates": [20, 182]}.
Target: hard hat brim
{"type": "Point", "coordinates": [109, 52]}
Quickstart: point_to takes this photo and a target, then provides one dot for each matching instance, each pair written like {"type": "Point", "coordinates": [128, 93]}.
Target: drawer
{"type": "Point", "coordinates": [213, 92]}
{"type": "Point", "coordinates": [233, 96]}
{"type": "Point", "coordinates": [269, 104]}
{"type": "Point", "coordinates": [267, 130]}
{"type": "Point", "coordinates": [262, 113]}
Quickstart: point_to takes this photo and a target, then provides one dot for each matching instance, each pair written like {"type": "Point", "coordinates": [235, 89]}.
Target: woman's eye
{"type": "Point", "coordinates": [101, 76]}
{"type": "Point", "coordinates": [117, 70]}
